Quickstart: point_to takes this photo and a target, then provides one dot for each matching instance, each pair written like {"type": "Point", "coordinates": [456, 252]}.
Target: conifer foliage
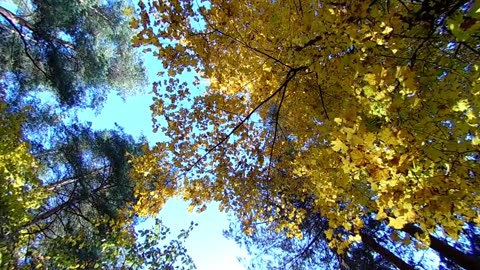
{"type": "Point", "coordinates": [66, 191]}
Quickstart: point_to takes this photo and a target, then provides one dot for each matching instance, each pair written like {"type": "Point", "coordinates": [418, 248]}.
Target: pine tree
{"type": "Point", "coordinates": [78, 50]}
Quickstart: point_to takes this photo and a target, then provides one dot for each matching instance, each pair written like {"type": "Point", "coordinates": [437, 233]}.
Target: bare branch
{"type": "Point", "coordinates": [12, 18]}
{"type": "Point", "coordinates": [25, 44]}
{"type": "Point", "coordinates": [73, 179]}
{"type": "Point", "coordinates": [305, 249]}
{"type": "Point", "coordinates": [277, 115]}
{"type": "Point", "coordinates": [470, 48]}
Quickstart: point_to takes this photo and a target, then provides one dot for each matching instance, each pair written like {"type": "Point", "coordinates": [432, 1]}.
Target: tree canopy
{"type": "Point", "coordinates": [66, 191]}
{"type": "Point", "coordinates": [78, 50]}
{"type": "Point", "coordinates": [360, 109]}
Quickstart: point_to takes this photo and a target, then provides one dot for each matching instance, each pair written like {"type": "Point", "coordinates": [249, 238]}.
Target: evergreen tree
{"type": "Point", "coordinates": [66, 191]}
{"type": "Point", "coordinates": [78, 50]}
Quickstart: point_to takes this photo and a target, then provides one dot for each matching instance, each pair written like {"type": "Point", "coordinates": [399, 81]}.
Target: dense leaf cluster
{"type": "Point", "coordinates": [361, 111]}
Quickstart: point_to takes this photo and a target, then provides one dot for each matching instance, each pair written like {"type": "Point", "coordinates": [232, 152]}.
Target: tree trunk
{"type": "Point", "coordinates": [464, 260]}
{"type": "Point", "coordinates": [385, 253]}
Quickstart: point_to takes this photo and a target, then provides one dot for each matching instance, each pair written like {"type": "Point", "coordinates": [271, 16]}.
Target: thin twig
{"type": "Point", "coordinates": [276, 129]}
{"type": "Point", "coordinates": [253, 49]}
{"type": "Point", "coordinates": [405, 6]}
{"type": "Point", "coordinates": [304, 250]}
{"type": "Point", "coordinates": [321, 98]}
{"type": "Point", "coordinates": [215, 29]}
{"type": "Point", "coordinates": [25, 44]}
{"type": "Point", "coordinates": [470, 48]}
{"type": "Point", "coordinates": [414, 55]}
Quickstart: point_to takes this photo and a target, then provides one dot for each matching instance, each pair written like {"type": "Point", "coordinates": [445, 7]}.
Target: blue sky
{"type": "Point", "coordinates": [206, 244]}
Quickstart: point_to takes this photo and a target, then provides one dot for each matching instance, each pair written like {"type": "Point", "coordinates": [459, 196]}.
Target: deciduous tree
{"type": "Point", "coordinates": [363, 107]}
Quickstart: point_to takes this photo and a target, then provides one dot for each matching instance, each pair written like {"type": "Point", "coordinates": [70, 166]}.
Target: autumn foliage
{"type": "Point", "coordinates": [361, 108]}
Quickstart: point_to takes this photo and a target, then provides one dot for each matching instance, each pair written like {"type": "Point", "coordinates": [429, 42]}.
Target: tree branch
{"type": "Point", "coordinates": [276, 129]}
{"type": "Point", "coordinates": [25, 44]}
{"type": "Point", "coordinates": [253, 49]}
{"type": "Point", "coordinates": [69, 180]}
{"type": "Point", "coordinates": [309, 43]}
{"type": "Point", "coordinates": [291, 74]}
{"type": "Point", "coordinates": [244, 43]}
{"type": "Point", "coordinates": [470, 48]}
{"type": "Point", "coordinates": [321, 97]}
{"type": "Point", "coordinates": [12, 18]}
{"type": "Point", "coordinates": [305, 249]}
{"type": "Point", "coordinates": [101, 15]}
{"type": "Point", "coordinates": [465, 260]}
{"type": "Point", "coordinates": [384, 252]}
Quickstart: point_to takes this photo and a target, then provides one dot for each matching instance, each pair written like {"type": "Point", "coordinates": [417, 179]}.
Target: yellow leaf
{"type": "Point", "coordinates": [369, 139]}
{"type": "Point", "coordinates": [128, 11]}
{"type": "Point", "coordinates": [358, 222]}
{"type": "Point", "coordinates": [397, 223]}
{"type": "Point", "coordinates": [407, 206]}
{"type": "Point", "coordinates": [371, 79]}
{"type": "Point", "coordinates": [329, 234]}
{"type": "Point", "coordinates": [387, 137]}
{"type": "Point", "coordinates": [357, 238]}
{"type": "Point", "coordinates": [387, 30]}
{"type": "Point", "coordinates": [134, 24]}
{"type": "Point", "coordinates": [356, 156]}
{"type": "Point", "coordinates": [339, 146]}
{"type": "Point", "coordinates": [476, 140]}
{"type": "Point", "coordinates": [347, 226]}
{"type": "Point", "coordinates": [461, 106]}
